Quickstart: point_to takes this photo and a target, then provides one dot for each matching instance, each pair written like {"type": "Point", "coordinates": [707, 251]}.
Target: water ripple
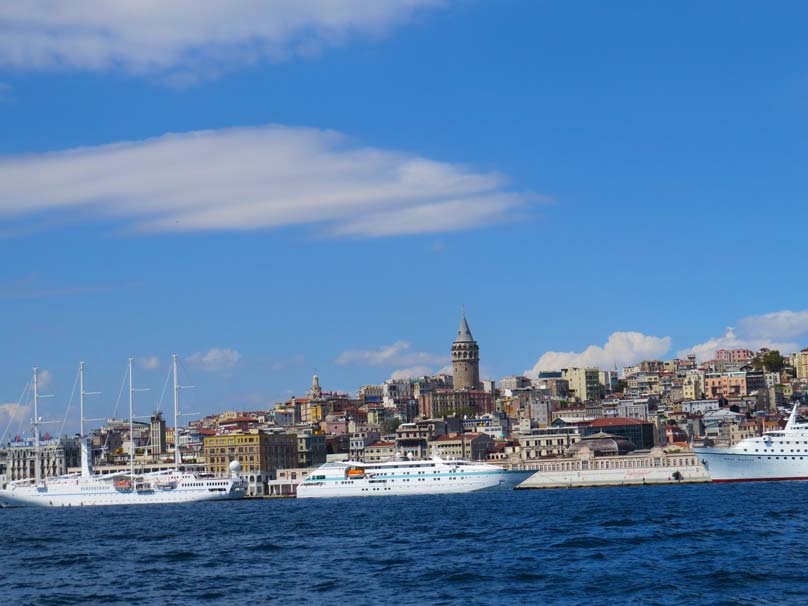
{"type": "Point", "coordinates": [722, 545]}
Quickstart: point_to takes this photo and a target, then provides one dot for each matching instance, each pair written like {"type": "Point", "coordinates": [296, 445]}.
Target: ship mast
{"type": "Point", "coordinates": [131, 425]}
{"type": "Point", "coordinates": [176, 414]}
{"type": "Point", "coordinates": [37, 452]}
{"type": "Point", "coordinates": [81, 399]}
{"type": "Point", "coordinates": [86, 448]}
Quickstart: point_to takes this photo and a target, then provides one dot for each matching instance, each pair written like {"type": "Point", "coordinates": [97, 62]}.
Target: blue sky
{"type": "Point", "coordinates": [325, 190]}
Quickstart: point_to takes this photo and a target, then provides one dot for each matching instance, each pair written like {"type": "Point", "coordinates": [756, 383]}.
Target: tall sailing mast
{"type": "Point", "coordinates": [176, 414]}
{"type": "Point", "coordinates": [86, 448]}
{"type": "Point", "coordinates": [132, 391]}
{"type": "Point", "coordinates": [37, 452]}
{"type": "Point", "coordinates": [131, 424]}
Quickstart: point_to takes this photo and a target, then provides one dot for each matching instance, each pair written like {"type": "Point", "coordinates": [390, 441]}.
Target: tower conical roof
{"type": "Point", "coordinates": [464, 332]}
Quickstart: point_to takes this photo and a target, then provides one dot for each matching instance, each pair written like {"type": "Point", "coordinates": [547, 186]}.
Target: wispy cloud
{"type": "Point", "coordinates": [148, 362]}
{"type": "Point", "coordinates": [781, 330]}
{"type": "Point", "coordinates": [399, 353]}
{"type": "Point", "coordinates": [621, 349]}
{"type": "Point", "coordinates": [12, 415]}
{"type": "Point", "coordinates": [13, 410]}
{"type": "Point", "coordinates": [255, 178]}
{"type": "Point", "coordinates": [215, 359]}
{"type": "Point", "coordinates": [420, 371]}
{"type": "Point", "coordinates": [44, 379]}
{"type": "Point", "coordinates": [185, 40]}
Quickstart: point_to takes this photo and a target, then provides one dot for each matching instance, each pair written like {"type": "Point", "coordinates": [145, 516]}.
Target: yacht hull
{"type": "Point", "coordinates": [730, 465]}
{"type": "Point", "coordinates": [441, 478]}
{"type": "Point", "coordinates": [92, 492]}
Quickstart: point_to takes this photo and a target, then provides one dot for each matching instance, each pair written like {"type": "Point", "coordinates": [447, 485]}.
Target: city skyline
{"type": "Point", "coordinates": [315, 199]}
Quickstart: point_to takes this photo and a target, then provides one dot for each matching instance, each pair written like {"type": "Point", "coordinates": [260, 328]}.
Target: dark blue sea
{"type": "Point", "coordinates": [666, 545]}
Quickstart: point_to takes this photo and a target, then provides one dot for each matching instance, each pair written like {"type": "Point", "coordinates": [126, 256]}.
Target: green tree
{"type": "Point", "coordinates": [390, 425]}
{"type": "Point", "coordinates": [770, 361]}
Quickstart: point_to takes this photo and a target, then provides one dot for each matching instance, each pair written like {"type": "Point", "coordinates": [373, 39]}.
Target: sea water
{"type": "Point", "coordinates": [666, 545]}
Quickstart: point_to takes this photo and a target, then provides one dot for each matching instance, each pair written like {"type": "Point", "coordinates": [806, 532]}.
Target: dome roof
{"type": "Point", "coordinates": [603, 445]}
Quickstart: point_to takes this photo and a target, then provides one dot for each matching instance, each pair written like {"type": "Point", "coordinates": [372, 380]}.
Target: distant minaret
{"type": "Point", "coordinates": [316, 391]}
{"type": "Point", "coordinates": [465, 358]}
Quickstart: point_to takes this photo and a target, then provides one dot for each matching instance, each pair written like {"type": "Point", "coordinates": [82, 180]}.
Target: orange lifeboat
{"type": "Point", "coordinates": [356, 473]}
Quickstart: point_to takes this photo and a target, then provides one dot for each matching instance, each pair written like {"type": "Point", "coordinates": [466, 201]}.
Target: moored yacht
{"type": "Point", "coordinates": [88, 488]}
{"type": "Point", "coordinates": [776, 455]}
{"type": "Point", "coordinates": [399, 477]}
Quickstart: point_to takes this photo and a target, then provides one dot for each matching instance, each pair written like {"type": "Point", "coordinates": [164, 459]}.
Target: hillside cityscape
{"type": "Point", "coordinates": [551, 421]}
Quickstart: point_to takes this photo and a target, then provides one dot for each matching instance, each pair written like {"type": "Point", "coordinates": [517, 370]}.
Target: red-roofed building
{"type": "Point", "coordinates": [641, 433]}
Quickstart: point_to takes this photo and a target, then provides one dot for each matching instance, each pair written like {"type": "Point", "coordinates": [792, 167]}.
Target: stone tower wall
{"type": "Point", "coordinates": [466, 365]}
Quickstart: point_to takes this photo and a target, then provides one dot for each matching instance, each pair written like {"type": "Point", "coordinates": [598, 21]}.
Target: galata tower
{"type": "Point", "coordinates": [465, 358]}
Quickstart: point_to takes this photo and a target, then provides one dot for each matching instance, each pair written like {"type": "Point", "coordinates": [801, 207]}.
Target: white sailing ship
{"type": "Point", "coordinates": [776, 455]}
{"type": "Point", "coordinates": [399, 477]}
{"type": "Point", "coordinates": [88, 488]}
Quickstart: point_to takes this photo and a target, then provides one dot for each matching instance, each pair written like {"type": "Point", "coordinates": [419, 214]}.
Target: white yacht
{"type": "Point", "coordinates": [87, 488]}
{"type": "Point", "coordinates": [777, 455]}
{"type": "Point", "coordinates": [399, 477]}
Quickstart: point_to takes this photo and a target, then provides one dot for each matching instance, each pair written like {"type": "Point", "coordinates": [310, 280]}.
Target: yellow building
{"type": "Point", "coordinates": [260, 454]}
{"type": "Point", "coordinates": [801, 364]}
{"type": "Point", "coordinates": [693, 386]}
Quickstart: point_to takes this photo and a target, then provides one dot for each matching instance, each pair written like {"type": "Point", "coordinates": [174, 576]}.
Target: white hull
{"type": "Point", "coordinates": [400, 479]}
{"type": "Point", "coordinates": [734, 465]}
{"type": "Point", "coordinates": [776, 455]}
{"type": "Point", "coordinates": [99, 490]}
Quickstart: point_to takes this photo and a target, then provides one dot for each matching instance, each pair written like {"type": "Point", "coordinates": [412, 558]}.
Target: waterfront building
{"type": "Point", "coordinates": [641, 433]}
{"type": "Point", "coordinates": [359, 441]}
{"type": "Point", "coordinates": [412, 439]}
{"type": "Point", "coordinates": [465, 358]}
{"type": "Point", "coordinates": [157, 434]}
{"type": "Point", "coordinates": [472, 446]}
{"type": "Point", "coordinates": [311, 450]}
{"type": "Point", "coordinates": [597, 464]}
{"type": "Point", "coordinates": [260, 453]}
{"type": "Point", "coordinates": [545, 442]}
{"type": "Point", "coordinates": [56, 456]}
{"type": "Point", "coordinates": [379, 451]}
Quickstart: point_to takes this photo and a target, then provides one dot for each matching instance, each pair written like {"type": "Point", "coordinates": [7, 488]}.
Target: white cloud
{"type": "Point", "coordinates": [778, 330]}
{"type": "Point", "coordinates": [215, 359]}
{"type": "Point", "coordinates": [409, 373]}
{"type": "Point", "coordinates": [44, 380]}
{"type": "Point", "coordinates": [254, 178]}
{"type": "Point", "coordinates": [148, 362]}
{"type": "Point", "coordinates": [12, 410]}
{"type": "Point", "coordinates": [621, 349]}
{"type": "Point", "coordinates": [185, 40]}
{"type": "Point", "coordinates": [776, 325]}
{"type": "Point", "coordinates": [399, 353]}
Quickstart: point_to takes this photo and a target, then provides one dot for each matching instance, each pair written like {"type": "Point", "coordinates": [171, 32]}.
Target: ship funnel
{"type": "Point", "coordinates": [86, 458]}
